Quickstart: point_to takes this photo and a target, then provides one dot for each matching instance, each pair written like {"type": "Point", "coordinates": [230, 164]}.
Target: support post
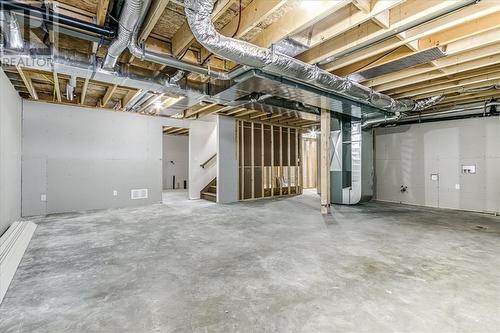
{"type": "Point", "coordinates": [325, 162]}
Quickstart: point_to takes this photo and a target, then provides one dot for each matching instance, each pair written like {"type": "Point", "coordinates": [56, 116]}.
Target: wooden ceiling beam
{"type": "Point", "coordinates": [102, 10]}
{"type": "Point", "coordinates": [296, 20]}
{"type": "Point", "coordinates": [155, 12]}
{"type": "Point", "coordinates": [256, 12]}
{"type": "Point", "coordinates": [447, 79]}
{"type": "Point", "coordinates": [26, 78]}
{"type": "Point", "coordinates": [480, 56]}
{"type": "Point", "coordinates": [176, 130]}
{"type": "Point", "coordinates": [409, 12]}
{"type": "Point", "coordinates": [454, 40]}
{"type": "Point", "coordinates": [193, 112]}
{"type": "Point", "coordinates": [210, 111]}
{"type": "Point", "coordinates": [183, 38]}
{"type": "Point", "coordinates": [363, 5]}
{"type": "Point", "coordinates": [109, 93]}
{"type": "Point", "coordinates": [57, 88]}
{"type": "Point", "coordinates": [467, 98]}
{"type": "Point", "coordinates": [236, 111]}
{"type": "Point", "coordinates": [460, 25]}
{"type": "Point", "coordinates": [84, 91]}
{"type": "Point", "coordinates": [472, 84]}
{"type": "Point", "coordinates": [131, 94]}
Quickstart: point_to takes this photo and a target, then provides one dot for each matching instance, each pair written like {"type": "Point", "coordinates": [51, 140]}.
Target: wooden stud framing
{"type": "Point", "coordinates": [281, 158]}
{"type": "Point", "coordinates": [325, 162]}
{"type": "Point", "coordinates": [272, 161]}
{"type": "Point", "coordinates": [252, 153]}
{"type": "Point", "coordinates": [238, 158]}
{"type": "Point", "coordinates": [242, 160]}
{"type": "Point", "coordinates": [289, 168]}
{"type": "Point", "coordinates": [297, 155]}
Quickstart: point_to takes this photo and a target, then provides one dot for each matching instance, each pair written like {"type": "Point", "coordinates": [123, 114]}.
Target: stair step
{"type": "Point", "coordinates": [209, 196]}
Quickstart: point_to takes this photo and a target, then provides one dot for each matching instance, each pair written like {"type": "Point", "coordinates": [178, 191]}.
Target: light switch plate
{"type": "Point", "coordinates": [434, 177]}
{"type": "Point", "coordinates": [115, 193]}
{"type": "Point", "coordinates": [43, 197]}
{"type": "Point", "coordinates": [457, 186]}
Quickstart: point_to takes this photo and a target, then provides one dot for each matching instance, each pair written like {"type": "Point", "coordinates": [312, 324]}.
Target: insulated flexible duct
{"type": "Point", "coordinates": [128, 21]}
{"type": "Point", "coordinates": [11, 31]}
{"type": "Point", "coordinates": [198, 13]}
{"type": "Point", "coordinates": [131, 18]}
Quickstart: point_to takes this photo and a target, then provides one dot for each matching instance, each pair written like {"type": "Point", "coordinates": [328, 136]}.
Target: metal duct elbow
{"type": "Point", "coordinates": [198, 13]}
{"type": "Point", "coordinates": [129, 19]}
{"type": "Point", "coordinates": [11, 31]}
{"type": "Point", "coordinates": [174, 79]}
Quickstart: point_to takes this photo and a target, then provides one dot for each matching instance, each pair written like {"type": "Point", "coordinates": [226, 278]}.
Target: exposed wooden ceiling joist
{"type": "Point", "coordinates": [297, 20]}
{"type": "Point", "coordinates": [462, 17]}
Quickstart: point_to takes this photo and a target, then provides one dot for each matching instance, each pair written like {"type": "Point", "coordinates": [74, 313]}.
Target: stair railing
{"type": "Point", "coordinates": [203, 165]}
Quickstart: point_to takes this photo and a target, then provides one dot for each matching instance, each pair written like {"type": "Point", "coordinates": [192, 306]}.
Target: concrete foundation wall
{"type": "Point", "coordinates": [409, 155]}
{"type": "Point", "coordinates": [175, 160]}
{"type": "Point", "coordinates": [227, 164]}
{"type": "Point", "coordinates": [75, 158]}
{"type": "Point", "coordinates": [202, 146]}
{"type": "Point", "coordinates": [10, 153]}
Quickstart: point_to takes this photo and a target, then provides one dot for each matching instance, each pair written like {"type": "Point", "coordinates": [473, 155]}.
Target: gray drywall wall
{"type": "Point", "coordinates": [10, 153]}
{"type": "Point", "coordinates": [408, 155]}
{"type": "Point", "coordinates": [175, 160]}
{"type": "Point", "coordinates": [202, 145]}
{"type": "Point", "coordinates": [77, 157]}
{"type": "Point", "coordinates": [227, 164]}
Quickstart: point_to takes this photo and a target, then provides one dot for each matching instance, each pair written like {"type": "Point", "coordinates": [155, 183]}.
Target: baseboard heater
{"type": "Point", "coordinates": [13, 244]}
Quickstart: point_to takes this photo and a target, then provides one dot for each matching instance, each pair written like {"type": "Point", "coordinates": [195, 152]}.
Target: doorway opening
{"type": "Point", "coordinates": [310, 145]}
{"type": "Point", "coordinates": [175, 163]}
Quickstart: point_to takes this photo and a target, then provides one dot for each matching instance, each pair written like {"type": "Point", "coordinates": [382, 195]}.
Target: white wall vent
{"type": "Point", "coordinates": [139, 194]}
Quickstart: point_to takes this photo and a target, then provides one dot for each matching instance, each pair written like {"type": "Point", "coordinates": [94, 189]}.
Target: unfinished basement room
{"type": "Point", "coordinates": [241, 166]}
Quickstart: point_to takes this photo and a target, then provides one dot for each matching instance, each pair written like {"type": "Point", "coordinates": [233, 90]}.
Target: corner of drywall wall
{"type": "Point", "coordinates": [10, 153]}
{"type": "Point", "coordinates": [227, 164]}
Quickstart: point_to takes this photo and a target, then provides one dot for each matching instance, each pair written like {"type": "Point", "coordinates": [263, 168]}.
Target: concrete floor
{"type": "Point", "coordinates": [268, 266]}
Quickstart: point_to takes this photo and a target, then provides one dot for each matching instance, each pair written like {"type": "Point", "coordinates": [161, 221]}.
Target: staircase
{"type": "Point", "coordinates": [210, 191]}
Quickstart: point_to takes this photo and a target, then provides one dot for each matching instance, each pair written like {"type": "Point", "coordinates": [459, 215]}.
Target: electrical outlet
{"type": "Point", "coordinates": [43, 197]}
{"type": "Point", "coordinates": [115, 193]}
{"type": "Point", "coordinates": [457, 186]}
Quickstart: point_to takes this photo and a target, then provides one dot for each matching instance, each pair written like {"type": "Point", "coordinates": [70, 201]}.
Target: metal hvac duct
{"type": "Point", "coordinates": [464, 110]}
{"type": "Point", "coordinates": [131, 13]}
{"type": "Point", "coordinates": [71, 64]}
{"type": "Point", "coordinates": [131, 18]}
{"type": "Point", "coordinates": [198, 13]}
{"type": "Point", "coordinates": [11, 31]}
{"type": "Point", "coordinates": [51, 17]}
